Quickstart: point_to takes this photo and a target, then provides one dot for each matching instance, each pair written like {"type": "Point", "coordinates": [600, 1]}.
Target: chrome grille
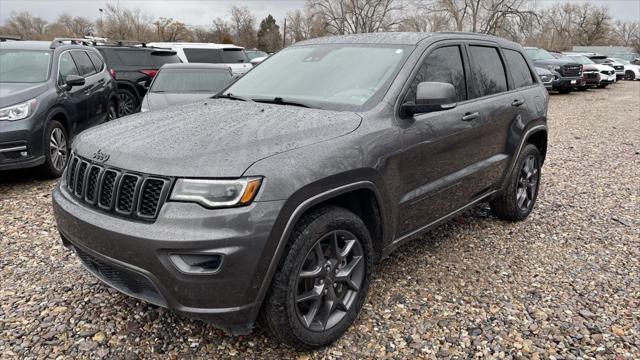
{"type": "Point", "coordinates": [117, 191]}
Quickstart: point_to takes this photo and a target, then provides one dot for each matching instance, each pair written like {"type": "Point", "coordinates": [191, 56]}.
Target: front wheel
{"type": "Point", "coordinates": [322, 281]}
{"type": "Point", "coordinates": [56, 149]}
{"type": "Point", "coordinates": [629, 75]}
{"type": "Point", "coordinates": [516, 202]}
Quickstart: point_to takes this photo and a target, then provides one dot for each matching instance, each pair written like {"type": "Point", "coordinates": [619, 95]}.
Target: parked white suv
{"type": "Point", "coordinates": [210, 53]}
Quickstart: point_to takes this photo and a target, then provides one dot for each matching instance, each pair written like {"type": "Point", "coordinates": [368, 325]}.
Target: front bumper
{"type": "Point", "coordinates": [567, 83]}
{"type": "Point", "coordinates": [134, 257]}
{"type": "Point", "coordinates": [21, 143]}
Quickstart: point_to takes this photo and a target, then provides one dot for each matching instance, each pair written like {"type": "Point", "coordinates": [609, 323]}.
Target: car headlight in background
{"type": "Point", "coordinates": [18, 111]}
{"type": "Point", "coordinates": [555, 68]}
{"type": "Point", "coordinates": [216, 193]}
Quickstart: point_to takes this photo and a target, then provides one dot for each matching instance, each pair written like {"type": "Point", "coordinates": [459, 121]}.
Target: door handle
{"type": "Point", "coordinates": [470, 116]}
{"type": "Point", "coordinates": [517, 102]}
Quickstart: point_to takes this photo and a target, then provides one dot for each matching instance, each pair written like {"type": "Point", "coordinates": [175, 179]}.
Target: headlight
{"type": "Point", "coordinates": [19, 111]}
{"type": "Point", "coordinates": [216, 193]}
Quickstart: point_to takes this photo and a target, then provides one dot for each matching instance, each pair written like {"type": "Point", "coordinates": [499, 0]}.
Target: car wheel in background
{"type": "Point", "coordinates": [629, 75]}
{"type": "Point", "coordinates": [128, 103]}
{"type": "Point", "coordinates": [564, 91]}
{"type": "Point", "coordinates": [112, 112]}
{"type": "Point", "coordinates": [56, 149]}
{"type": "Point", "coordinates": [516, 202]}
{"type": "Point", "coordinates": [602, 86]}
{"type": "Point", "coordinates": [322, 280]}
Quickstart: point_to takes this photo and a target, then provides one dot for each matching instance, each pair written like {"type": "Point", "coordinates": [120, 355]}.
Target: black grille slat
{"type": "Point", "coordinates": [126, 193]}
{"type": "Point", "coordinates": [107, 189]}
{"type": "Point", "coordinates": [92, 183]}
{"type": "Point", "coordinates": [123, 193]}
{"type": "Point", "coordinates": [150, 197]}
{"type": "Point", "coordinates": [79, 186]}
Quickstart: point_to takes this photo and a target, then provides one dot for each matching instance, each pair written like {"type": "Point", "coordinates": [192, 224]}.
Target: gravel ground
{"type": "Point", "coordinates": [563, 284]}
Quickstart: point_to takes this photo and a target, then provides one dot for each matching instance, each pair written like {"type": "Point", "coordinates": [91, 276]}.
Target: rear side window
{"type": "Point", "coordinates": [96, 60]}
{"type": "Point", "coordinates": [441, 65]}
{"type": "Point", "coordinates": [487, 71]}
{"type": "Point", "coordinates": [230, 56]}
{"type": "Point", "coordinates": [519, 69]}
{"type": "Point", "coordinates": [67, 67]}
{"type": "Point", "coordinates": [210, 56]}
{"type": "Point", "coordinates": [85, 66]}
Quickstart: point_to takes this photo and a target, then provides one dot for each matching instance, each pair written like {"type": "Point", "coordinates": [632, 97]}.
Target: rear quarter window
{"type": "Point", "coordinates": [519, 68]}
{"type": "Point", "coordinates": [97, 61]}
{"type": "Point", "coordinates": [210, 56]}
{"type": "Point", "coordinates": [230, 56]}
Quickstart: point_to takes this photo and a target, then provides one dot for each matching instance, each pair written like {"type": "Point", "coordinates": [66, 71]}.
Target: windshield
{"type": "Point", "coordinates": [190, 81]}
{"type": "Point", "coordinates": [539, 54]}
{"type": "Point", "coordinates": [622, 61]}
{"type": "Point", "coordinates": [600, 60]}
{"type": "Point", "coordinates": [328, 76]}
{"type": "Point", "coordinates": [581, 59]}
{"type": "Point", "coordinates": [24, 66]}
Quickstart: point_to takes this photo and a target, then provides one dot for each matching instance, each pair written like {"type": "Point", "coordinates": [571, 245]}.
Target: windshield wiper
{"type": "Point", "coordinates": [281, 101]}
{"type": "Point", "coordinates": [230, 96]}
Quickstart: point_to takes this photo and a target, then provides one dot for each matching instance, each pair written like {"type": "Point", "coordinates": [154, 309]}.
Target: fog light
{"type": "Point", "coordinates": [24, 153]}
{"type": "Point", "coordinates": [197, 263]}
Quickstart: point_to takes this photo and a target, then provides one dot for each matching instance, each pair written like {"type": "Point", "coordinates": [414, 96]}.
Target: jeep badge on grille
{"type": "Point", "coordinates": [100, 156]}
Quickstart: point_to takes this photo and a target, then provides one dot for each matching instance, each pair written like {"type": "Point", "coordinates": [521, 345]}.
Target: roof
{"type": "Point", "coordinates": [193, 45]}
{"type": "Point", "coordinates": [197, 66]}
{"type": "Point", "coordinates": [400, 38]}
{"type": "Point", "coordinates": [26, 45]}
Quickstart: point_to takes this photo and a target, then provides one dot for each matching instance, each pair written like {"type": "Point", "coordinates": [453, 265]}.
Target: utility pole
{"type": "Point", "coordinates": [284, 34]}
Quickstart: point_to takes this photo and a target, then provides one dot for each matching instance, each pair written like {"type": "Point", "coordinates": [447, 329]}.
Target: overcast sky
{"type": "Point", "coordinates": [203, 12]}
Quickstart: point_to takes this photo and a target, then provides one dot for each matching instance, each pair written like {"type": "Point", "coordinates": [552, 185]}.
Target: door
{"type": "Point", "coordinates": [74, 100]}
{"type": "Point", "coordinates": [438, 147]}
{"type": "Point", "coordinates": [93, 85]}
{"type": "Point", "coordinates": [103, 91]}
{"type": "Point", "coordinates": [499, 106]}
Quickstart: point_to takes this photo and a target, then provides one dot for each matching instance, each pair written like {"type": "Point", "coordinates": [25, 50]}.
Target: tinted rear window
{"type": "Point", "coordinates": [519, 68]}
{"type": "Point", "coordinates": [159, 58]}
{"type": "Point", "coordinates": [190, 80]}
{"type": "Point", "coordinates": [96, 60]}
{"type": "Point", "coordinates": [209, 56]}
{"type": "Point", "coordinates": [230, 56]}
{"type": "Point", "coordinates": [488, 72]}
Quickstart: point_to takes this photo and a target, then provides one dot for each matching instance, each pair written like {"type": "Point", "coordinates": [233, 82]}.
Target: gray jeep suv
{"type": "Point", "coordinates": [273, 200]}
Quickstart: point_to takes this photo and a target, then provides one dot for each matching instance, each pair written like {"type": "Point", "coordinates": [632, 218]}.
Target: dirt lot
{"type": "Point", "coordinates": [563, 284]}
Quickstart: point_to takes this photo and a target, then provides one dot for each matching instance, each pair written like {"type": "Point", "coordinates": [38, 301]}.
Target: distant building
{"type": "Point", "coordinates": [622, 52]}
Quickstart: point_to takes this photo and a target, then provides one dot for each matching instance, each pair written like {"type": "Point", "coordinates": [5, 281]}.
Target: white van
{"type": "Point", "coordinates": [210, 53]}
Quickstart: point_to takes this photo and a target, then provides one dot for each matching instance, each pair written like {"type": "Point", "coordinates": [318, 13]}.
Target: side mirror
{"type": "Point", "coordinates": [430, 97]}
{"type": "Point", "coordinates": [73, 80]}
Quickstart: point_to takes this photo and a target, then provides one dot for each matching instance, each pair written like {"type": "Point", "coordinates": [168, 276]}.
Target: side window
{"type": "Point", "coordinates": [97, 61]}
{"type": "Point", "coordinates": [441, 65]}
{"type": "Point", "coordinates": [519, 69]}
{"type": "Point", "coordinates": [84, 63]}
{"type": "Point", "coordinates": [488, 72]}
{"type": "Point", "coordinates": [67, 67]}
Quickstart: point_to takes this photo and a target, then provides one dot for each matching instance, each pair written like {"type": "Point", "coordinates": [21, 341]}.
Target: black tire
{"type": "Point", "coordinates": [602, 86]}
{"type": "Point", "coordinates": [629, 75]}
{"type": "Point", "coordinates": [582, 88]}
{"type": "Point", "coordinates": [112, 110]}
{"type": "Point", "coordinates": [128, 102]}
{"type": "Point", "coordinates": [507, 205]}
{"type": "Point", "coordinates": [56, 149]}
{"type": "Point", "coordinates": [282, 311]}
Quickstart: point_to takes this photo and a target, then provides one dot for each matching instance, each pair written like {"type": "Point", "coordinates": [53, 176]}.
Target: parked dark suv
{"type": "Point", "coordinates": [569, 73]}
{"type": "Point", "coordinates": [275, 200]}
{"type": "Point", "coordinates": [49, 92]}
{"type": "Point", "coordinates": [134, 67]}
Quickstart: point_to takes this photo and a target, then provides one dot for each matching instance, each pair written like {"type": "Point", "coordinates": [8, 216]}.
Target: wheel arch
{"type": "Point", "coordinates": [539, 138]}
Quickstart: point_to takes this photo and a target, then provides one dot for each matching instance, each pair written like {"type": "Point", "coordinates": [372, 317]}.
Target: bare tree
{"type": "Point", "coordinates": [26, 26]}
{"type": "Point", "coordinates": [126, 24]}
{"type": "Point", "coordinates": [167, 29]}
{"type": "Point", "coordinates": [626, 33]}
{"type": "Point", "coordinates": [356, 16]}
{"type": "Point", "coordinates": [77, 26]}
{"type": "Point", "coordinates": [243, 26]}
{"type": "Point", "coordinates": [304, 24]}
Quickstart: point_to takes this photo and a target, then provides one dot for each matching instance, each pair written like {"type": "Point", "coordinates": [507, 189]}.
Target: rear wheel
{"type": "Point", "coordinates": [56, 149]}
{"type": "Point", "coordinates": [128, 103]}
{"type": "Point", "coordinates": [629, 75]}
{"type": "Point", "coordinates": [322, 281]}
{"type": "Point", "coordinates": [564, 91]}
{"type": "Point", "coordinates": [516, 202]}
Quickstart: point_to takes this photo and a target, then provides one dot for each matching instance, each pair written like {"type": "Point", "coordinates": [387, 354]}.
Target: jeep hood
{"type": "Point", "coordinates": [212, 138]}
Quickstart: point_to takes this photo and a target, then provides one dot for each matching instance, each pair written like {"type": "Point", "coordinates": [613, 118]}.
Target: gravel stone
{"type": "Point", "coordinates": [562, 284]}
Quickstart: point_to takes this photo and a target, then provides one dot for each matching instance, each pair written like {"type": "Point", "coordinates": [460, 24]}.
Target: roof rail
{"type": "Point", "coordinates": [72, 41]}
{"type": "Point", "coordinates": [130, 43]}
{"type": "Point", "coordinates": [9, 38]}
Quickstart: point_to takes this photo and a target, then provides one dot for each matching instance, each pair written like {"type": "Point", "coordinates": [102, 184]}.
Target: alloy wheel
{"type": "Point", "coordinates": [126, 105]}
{"type": "Point", "coordinates": [329, 280]}
{"type": "Point", "coordinates": [58, 149]}
{"type": "Point", "coordinates": [112, 113]}
{"type": "Point", "coordinates": [527, 183]}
